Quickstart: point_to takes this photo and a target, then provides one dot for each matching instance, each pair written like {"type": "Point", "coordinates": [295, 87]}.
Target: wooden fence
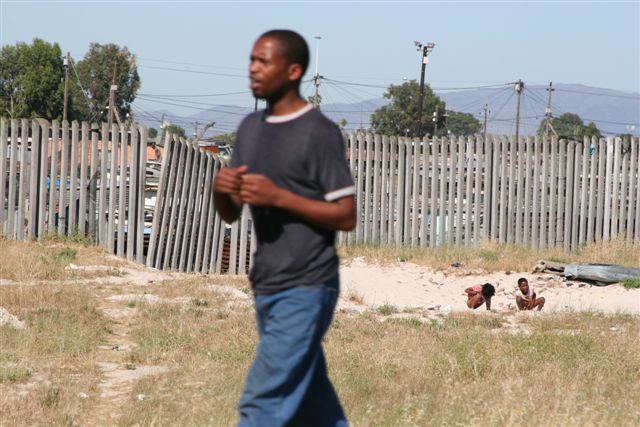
{"type": "Point", "coordinates": [71, 178]}
{"type": "Point", "coordinates": [537, 192]}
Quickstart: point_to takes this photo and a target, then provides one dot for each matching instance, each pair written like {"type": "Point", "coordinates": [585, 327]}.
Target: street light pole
{"type": "Point", "coordinates": [425, 60]}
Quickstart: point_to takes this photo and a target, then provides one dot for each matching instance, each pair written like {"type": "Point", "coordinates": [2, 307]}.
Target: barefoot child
{"type": "Point", "coordinates": [479, 294]}
{"type": "Point", "coordinates": [526, 298]}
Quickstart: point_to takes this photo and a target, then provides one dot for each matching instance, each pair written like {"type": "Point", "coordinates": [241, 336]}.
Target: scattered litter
{"type": "Point", "coordinates": [7, 318]}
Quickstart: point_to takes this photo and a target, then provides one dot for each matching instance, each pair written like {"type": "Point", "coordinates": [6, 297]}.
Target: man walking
{"type": "Point", "coordinates": [289, 166]}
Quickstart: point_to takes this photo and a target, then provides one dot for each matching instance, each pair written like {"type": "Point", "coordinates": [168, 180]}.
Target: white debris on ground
{"type": "Point", "coordinates": [7, 318]}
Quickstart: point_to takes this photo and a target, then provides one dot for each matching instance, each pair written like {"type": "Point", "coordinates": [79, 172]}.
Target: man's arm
{"type": "Point", "coordinates": [488, 302]}
{"type": "Point", "coordinates": [226, 189]}
{"type": "Point", "coordinates": [337, 215]}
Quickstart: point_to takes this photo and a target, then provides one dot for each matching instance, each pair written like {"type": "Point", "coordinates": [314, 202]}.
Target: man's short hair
{"type": "Point", "coordinates": [522, 280]}
{"type": "Point", "coordinates": [294, 47]}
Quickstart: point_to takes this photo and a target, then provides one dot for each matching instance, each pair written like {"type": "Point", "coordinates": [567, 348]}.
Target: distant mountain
{"type": "Point", "coordinates": [611, 110]}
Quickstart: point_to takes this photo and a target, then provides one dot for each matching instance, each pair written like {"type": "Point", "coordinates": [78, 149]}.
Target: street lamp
{"type": "Point", "coordinates": [426, 49]}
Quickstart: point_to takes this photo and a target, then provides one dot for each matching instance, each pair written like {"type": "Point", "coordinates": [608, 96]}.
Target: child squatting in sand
{"type": "Point", "coordinates": [480, 294]}
{"type": "Point", "coordinates": [526, 298]}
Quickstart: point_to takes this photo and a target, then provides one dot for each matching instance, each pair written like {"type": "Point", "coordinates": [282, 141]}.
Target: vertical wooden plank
{"type": "Point", "coordinates": [451, 191]}
{"type": "Point", "coordinates": [123, 182]}
{"type": "Point", "coordinates": [377, 204]}
{"type": "Point", "coordinates": [175, 204]}
{"type": "Point", "coordinates": [24, 179]}
{"type": "Point", "coordinates": [103, 220]}
{"type": "Point", "coordinates": [113, 185]}
{"type": "Point", "coordinates": [84, 152]}
{"type": "Point", "coordinates": [183, 204]}
{"type": "Point", "coordinates": [512, 145]}
{"type": "Point", "coordinates": [636, 165]}
{"type": "Point", "coordinates": [204, 213]}
{"type": "Point", "coordinates": [475, 211]}
{"type": "Point", "coordinates": [459, 203]}
{"type": "Point", "coordinates": [415, 191]}
{"type": "Point", "coordinates": [13, 177]}
{"type": "Point", "coordinates": [393, 173]}
{"type": "Point", "coordinates": [73, 180]}
{"type": "Point", "coordinates": [233, 248]}
{"type": "Point", "coordinates": [386, 179]}
{"type": "Point", "coordinates": [519, 231]}
{"type": "Point", "coordinates": [435, 174]}
{"type": "Point", "coordinates": [608, 189]}
{"type": "Point", "coordinates": [470, 157]}
{"type": "Point", "coordinates": [603, 148]}
{"type": "Point", "coordinates": [368, 191]}
{"type": "Point", "coordinates": [360, 177]}
{"type": "Point", "coordinates": [583, 191]}
{"type": "Point", "coordinates": [93, 184]}
{"type": "Point", "coordinates": [495, 186]}
{"type": "Point", "coordinates": [352, 149]}
{"type": "Point", "coordinates": [487, 196]}
{"type": "Point", "coordinates": [43, 190]}
{"type": "Point", "coordinates": [34, 161]}
{"type": "Point", "coordinates": [198, 215]}
{"type": "Point", "coordinates": [442, 220]}
{"type": "Point", "coordinates": [616, 188]}
{"type": "Point", "coordinates": [407, 188]}
{"type": "Point", "coordinates": [424, 209]}
{"type": "Point", "coordinates": [632, 207]}
{"type": "Point", "coordinates": [539, 223]}
{"type": "Point", "coordinates": [142, 185]}
{"type": "Point", "coordinates": [132, 207]}
{"type": "Point", "coordinates": [528, 183]}
{"type": "Point", "coordinates": [624, 178]}
{"type": "Point", "coordinates": [158, 211]}
{"type": "Point", "coordinates": [591, 219]}
{"type": "Point", "coordinates": [569, 192]}
{"type": "Point", "coordinates": [400, 191]}
{"type": "Point", "coordinates": [554, 199]}
{"type": "Point", "coordinates": [213, 244]}
{"type": "Point", "coordinates": [4, 146]}
{"type": "Point", "coordinates": [504, 189]}
{"type": "Point", "coordinates": [562, 177]}
{"type": "Point", "coordinates": [243, 237]}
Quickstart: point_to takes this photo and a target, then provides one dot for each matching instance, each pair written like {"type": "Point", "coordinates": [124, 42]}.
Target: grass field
{"type": "Point", "coordinates": [563, 369]}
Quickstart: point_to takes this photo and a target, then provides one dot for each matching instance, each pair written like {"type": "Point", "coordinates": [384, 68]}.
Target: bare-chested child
{"type": "Point", "coordinates": [525, 296]}
{"type": "Point", "coordinates": [480, 294]}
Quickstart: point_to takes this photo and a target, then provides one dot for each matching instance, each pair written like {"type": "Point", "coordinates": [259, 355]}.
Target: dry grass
{"type": "Point", "coordinates": [494, 257]}
{"type": "Point", "coordinates": [574, 369]}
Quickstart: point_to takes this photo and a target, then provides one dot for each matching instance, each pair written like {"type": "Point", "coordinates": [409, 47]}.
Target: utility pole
{"type": "Point", "coordinates": [547, 114]}
{"type": "Point", "coordinates": [66, 85]}
{"type": "Point", "coordinates": [519, 89]}
{"type": "Point", "coordinates": [484, 129]}
{"type": "Point", "coordinates": [425, 60]}
{"type": "Point", "coordinates": [435, 122]}
{"type": "Point", "coordinates": [112, 95]}
{"type": "Point", "coordinates": [316, 77]}
{"type": "Point", "coordinates": [195, 129]}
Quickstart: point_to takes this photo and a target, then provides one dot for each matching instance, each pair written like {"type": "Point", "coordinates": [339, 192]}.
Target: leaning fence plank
{"type": "Point", "coordinates": [113, 176]}
{"type": "Point", "coordinates": [631, 207]}
{"type": "Point", "coordinates": [93, 184]}
{"type": "Point", "coordinates": [175, 203]}
{"type": "Point", "coordinates": [73, 180]}
{"type": "Point", "coordinates": [185, 180]}
{"type": "Point", "coordinates": [608, 189]}
{"type": "Point", "coordinates": [375, 238]}
{"type": "Point", "coordinates": [159, 216]}
{"type": "Point", "coordinates": [603, 149]}
{"type": "Point", "coordinates": [24, 177]}
{"type": "Point", "coordinates": [132, 205]}
{"type": "Point", "coordinates": [204, 214]}
{"type": "Point", "coordinates": [142, 185]}
{"type": "Point", "coordinates": [615, 200]}
{"type": "Point", "coordinates": [198, 213]}
{"type": "Point", "coordinates": [84, 151]}
{"type": "Point", "coordinates": [212, 259]}
{"type": "Point", "coordinates": [13, 177]}
{"type": "Point", "coordinates": [593, 155]}
{"type": "Point", "coordinates": [4, 132]}
{"type": "Point", "coordinates": [32, 208]}
{"type": "Point", "coordinates": [43, 176]}
{"type": "Point", "coordinates": [384, 212]}
{"type": "Point", "coordinates": [122, 189]}
{"type": "Point", "coordinates": [192, 172]}
{"type": "Point", "coordinates": [103, 222]}
{"type": "Point", "coordinates": [569, 192]}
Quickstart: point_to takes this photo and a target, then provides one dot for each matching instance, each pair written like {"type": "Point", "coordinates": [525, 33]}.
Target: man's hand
{"type": "Point", "coordinates": [229, 180]}
{"type": "Point", "coordinates": [258, 190]}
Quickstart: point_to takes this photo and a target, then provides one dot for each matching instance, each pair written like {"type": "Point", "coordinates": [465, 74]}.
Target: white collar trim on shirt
{"type": "Point", "coordinates": [290, 116]}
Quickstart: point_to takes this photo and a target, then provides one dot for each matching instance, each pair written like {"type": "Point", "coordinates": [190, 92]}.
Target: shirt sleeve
{"type": "Point", "coordinates": [333, 172]}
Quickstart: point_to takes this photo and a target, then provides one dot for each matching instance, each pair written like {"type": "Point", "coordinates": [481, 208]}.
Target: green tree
{"type": "Point", "coordinates": [462, 123]}
{"type": "Point", "coordinates": [570, 125]}
{"type": "Point", "coordinates": [176, 130]}
{"type": "Point", "coordinates": [153, 132]}
{"type": "Point", "coordinates": [400, 116]}
{"type": "Point", "coordinates": [228, 138]}
{"type": "Point", "coordinates": [96, 72]}
{"type": "Point", "coordinates": [31, 80]}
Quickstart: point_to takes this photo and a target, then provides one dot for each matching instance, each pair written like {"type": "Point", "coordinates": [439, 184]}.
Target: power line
{"type": "Point", "coordinates": [244, 76]}
{"type": "Point", "coordinates": [194, 95]}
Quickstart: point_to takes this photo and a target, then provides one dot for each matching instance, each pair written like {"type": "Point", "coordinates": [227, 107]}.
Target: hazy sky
{"type": "Point", "coordinates": [202, 47]}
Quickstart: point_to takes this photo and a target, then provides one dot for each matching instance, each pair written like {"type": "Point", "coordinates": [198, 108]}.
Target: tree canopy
{"type": "Point", "coordinates": [400, 116]}
{"type": "Point", "coordinates": [96, 74]}
{"type": "Point", "coordinates": [570, 125]}
{"type": "Point", "coordinates": [176, 130]}
{"type": "Point", "coordinates": [462, 123]}
{"type": "Point", "coordinates": [32, 80]}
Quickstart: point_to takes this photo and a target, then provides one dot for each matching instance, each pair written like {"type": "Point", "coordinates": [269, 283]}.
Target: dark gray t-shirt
{"type": "Point", "coordinates": [305, 155]}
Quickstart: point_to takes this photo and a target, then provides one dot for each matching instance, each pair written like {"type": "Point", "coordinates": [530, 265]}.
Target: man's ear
{"type": "Point", "coordinates": [295, 72]}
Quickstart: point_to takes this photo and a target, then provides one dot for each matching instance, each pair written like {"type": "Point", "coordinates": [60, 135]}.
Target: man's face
{"type": "Point", "coordinates": [524, 287]}
{"type": "Point", "coordinates": [269, 71]}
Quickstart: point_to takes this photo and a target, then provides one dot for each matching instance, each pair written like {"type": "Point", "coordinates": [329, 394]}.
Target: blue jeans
{"type": "Point", "coordinates": [288, 383]}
